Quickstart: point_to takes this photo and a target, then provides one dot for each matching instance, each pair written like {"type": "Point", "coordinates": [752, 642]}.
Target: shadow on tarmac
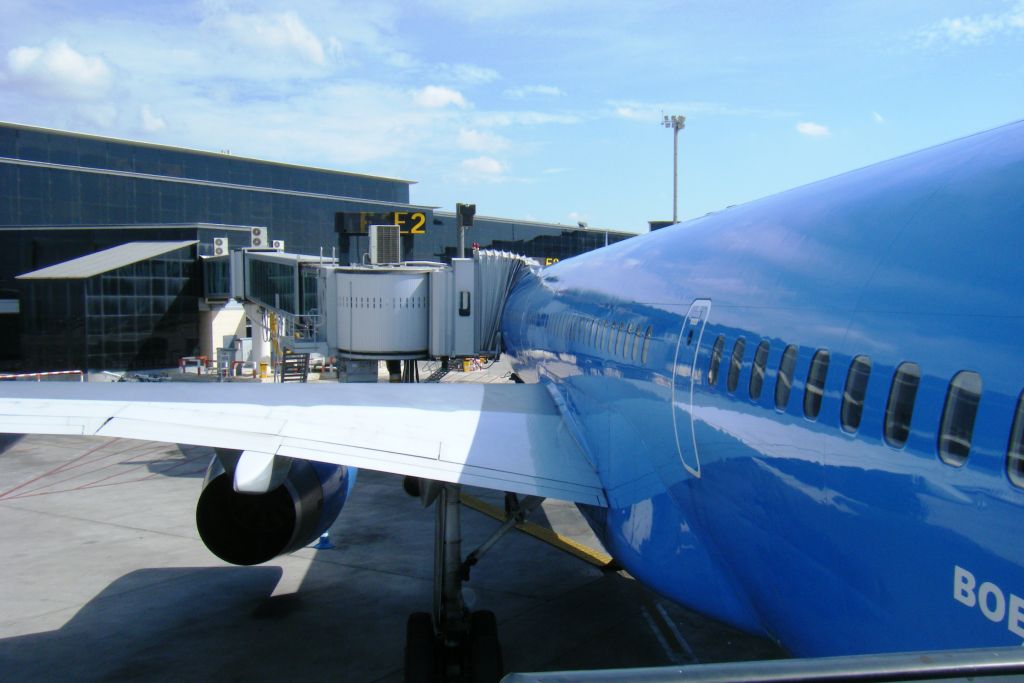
{"type": "Point", "coordinates": [340, 614]}
{"type": "Point", "coordinates": [137, 628]}
{"type": "Point", "coordinates": [9, 440]}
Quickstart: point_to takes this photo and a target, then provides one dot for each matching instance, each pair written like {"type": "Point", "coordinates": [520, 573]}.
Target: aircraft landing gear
{"type": "Point", "coordinates": [453, 644]}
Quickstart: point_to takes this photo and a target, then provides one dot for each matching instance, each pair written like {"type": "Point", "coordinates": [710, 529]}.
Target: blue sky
{"type": "Point", "coordinates": [541, 109]}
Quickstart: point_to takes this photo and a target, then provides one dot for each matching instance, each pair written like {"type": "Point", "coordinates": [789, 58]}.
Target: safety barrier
{"type": "Point", "coordinates": [59, 375]}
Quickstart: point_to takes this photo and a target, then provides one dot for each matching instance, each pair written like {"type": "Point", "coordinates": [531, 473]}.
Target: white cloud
{"type": "Point", "coordinates": [969, 30]}
{"type": "Point", "coordinates": [284, 32]}
{"type": "Point", "coordinates": [484, 165]}
{"type": "Point", "coordinates": [100, 114]}
{"type": "Point", "coordinates": [481, 141]}
{"type": "Point", "coordinates": [636, 113]}
{"type": "Point", "coordinates": [473, 10]}
{"type": "Point", "coordinates": [877, 118]}
{"type": "Point", "coordinates": [524, 118]}
{"type": "Point", "coordinates": [812, 130]}
{"type": "Point", "coordinates": [57, 70]}
{"type": "Point", "coordinates": [150, 121]}
{"type": "Point", "coordinates": [468, 74]}
{"type": "Point", "coordinates": [527, 90]}
{"type": "Point", "coordinates": [437, 97]}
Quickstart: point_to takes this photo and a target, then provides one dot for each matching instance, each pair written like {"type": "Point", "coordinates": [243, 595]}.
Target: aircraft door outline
{"type": "Point", "coordinates": [684, 372]}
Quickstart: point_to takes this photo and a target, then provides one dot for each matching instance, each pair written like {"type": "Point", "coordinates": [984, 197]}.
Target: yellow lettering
{"type": "Point", "coordinates": [418, 221]}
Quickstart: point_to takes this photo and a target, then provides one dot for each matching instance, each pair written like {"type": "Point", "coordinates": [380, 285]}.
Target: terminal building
{"type": "Point", "coordinates": [106, 242]}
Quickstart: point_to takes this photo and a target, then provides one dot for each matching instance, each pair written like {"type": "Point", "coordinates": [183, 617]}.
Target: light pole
{"type": "Point", "coordinates": [676, 123]}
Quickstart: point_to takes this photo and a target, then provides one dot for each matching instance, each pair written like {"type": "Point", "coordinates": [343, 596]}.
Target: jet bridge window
{"type": "Point", "coordinates": [853, 395]}
{"type": "Point", "coordinates": [735, 365]}
{"type": "Point", "coordinates": [958, 415]}
{"type": "Point", "coordinates": [814, 390]}
{"type": "Point", "coordinates": [784, 380]}
{"type": "Point", "coordinates": [757, 370]}
{"type": "Point", "coordinates": [716, 360]}
{"type": "Point", "coordinates": [900, 408]}
{"type": "Point", "coordinates": [1015, 451]}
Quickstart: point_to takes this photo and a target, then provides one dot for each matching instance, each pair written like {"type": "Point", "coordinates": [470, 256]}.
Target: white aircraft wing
{"type": "Point", "coordinates": [509, 437]}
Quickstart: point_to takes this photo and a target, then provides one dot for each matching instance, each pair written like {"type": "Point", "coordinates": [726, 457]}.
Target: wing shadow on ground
{"type": "Point", "coordinates": [8, 441]}
{"type": "Point", "coordinates": [190, 462]}
{"type": "Point", "coordinates": [151, 624]}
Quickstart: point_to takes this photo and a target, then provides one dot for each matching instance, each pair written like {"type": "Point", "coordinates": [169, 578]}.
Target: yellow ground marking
{"type": "Point", "coordinates": [585, 553]}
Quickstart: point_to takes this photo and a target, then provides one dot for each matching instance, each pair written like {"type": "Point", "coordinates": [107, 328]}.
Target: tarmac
{"type": "Point", "coordinates": [105, 579]}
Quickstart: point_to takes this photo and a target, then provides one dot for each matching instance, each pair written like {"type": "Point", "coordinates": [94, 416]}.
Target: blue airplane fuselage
{"type": "Point", "coordinates": [798, 512]}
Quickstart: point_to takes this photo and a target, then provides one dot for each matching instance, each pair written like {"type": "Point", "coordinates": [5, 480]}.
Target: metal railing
{"type": "Point", "coordinates": [59, 375]}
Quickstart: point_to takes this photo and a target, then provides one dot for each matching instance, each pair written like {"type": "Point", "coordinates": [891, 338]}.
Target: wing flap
{"type": "Point", "coordinates": [506, 437]}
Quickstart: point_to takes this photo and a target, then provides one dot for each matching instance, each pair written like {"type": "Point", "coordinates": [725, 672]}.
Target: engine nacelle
{"type": "Point", "coordinates": [246, 528]}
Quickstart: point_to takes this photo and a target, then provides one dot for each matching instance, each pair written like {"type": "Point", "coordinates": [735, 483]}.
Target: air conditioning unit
{"type": "Point", "coordinates": [259, 238]}
{"type": "Point", "coordinates": [277, 244]}
{"type": "Point", "coordinates": [220, 246]}
{"type": "Point", "coordinates": [385, 244]}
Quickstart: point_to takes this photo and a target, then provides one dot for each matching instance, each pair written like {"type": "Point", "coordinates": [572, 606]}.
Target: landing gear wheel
{"type": "Point", "coordinates": [485, 663]}
{"type": "Point", "coordinates": [420, 649]}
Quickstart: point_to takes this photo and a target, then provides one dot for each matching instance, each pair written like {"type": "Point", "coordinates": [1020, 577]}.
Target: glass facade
{"type": "Point", "coordinates": [142, 315]}
{"type": "Point", "coordinates": [217, 278]}
{"type": "Point", "coordinates": [272, 284]}
{"type": "Point", "coordinates": [49, 178]}
{"type": "Point", "coordinates": [55, 147]}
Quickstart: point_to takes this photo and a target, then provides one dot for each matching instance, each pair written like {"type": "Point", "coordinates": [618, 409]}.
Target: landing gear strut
{"type": "Point", "coordinates": [453, 644]}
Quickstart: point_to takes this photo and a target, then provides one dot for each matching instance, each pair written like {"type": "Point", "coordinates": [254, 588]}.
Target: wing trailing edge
{"type": "Point", "coordinates": [509, 437]}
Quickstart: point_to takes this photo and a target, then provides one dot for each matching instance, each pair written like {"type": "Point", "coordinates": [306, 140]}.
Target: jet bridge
{"type": "Point", "coordinates": [369, 312]}
{"type": "Point", "coordinates": [419, 310]}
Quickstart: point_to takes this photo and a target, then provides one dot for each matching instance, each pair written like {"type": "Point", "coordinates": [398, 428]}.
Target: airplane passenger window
{"type": "Point", "coordinates": [814, 391]}
{"type": "Point", "coordinates": [757, 370]}
{"type": "Point", "coordinates": [958, 415]}
{"type": "Point", "coordinates": [716, 360]}
{"type": "Point", "coordinates": [784, 380]}
{"type": "Point", "coordinates": [1015, 451]}
{"type": "Point", "coordinates": [735, 365]}
{"type": "Point", "coordinates": [900, 408]}
{"type": "Point", "coordinates": [853, 395]}
{"type": "Point", "coordinates": [647, 345]}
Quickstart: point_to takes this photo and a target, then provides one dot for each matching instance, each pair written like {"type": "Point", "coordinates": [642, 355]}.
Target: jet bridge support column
{"type": "Point", "coordinates": [260, 344]}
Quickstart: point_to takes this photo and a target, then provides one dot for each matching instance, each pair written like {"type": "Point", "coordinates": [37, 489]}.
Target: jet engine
{"type": "Point", "coordinates": [250, 528]}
